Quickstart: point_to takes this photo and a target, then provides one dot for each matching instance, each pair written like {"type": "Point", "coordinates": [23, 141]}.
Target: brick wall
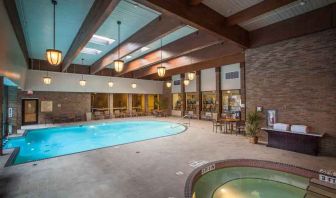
{"type": "Point", "coordinates": [297, 77]}
{"type": "Point", "coordinates": [63, 103]}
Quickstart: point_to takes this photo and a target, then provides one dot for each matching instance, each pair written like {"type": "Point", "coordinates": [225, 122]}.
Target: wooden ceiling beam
{"type": "Point", "coordinates": [196, 41]}
{"type": "Point", "coordinates": [195, 2]}
{"type": "Point", "coordinates": [155, 30]}
{"type": "Point", "coordinates": [256, 10]}
{"type": "Point", "coordinates": [206, 64]}
{"type": "Point", "coordinates": [201, 17]}
{"type": "Point", "coordinates": [99, 12]}
{"type": "Point", "coordinates": [17, 26]}
{"type": "Point", "coordinates": [202, 55]}
{"type": "Point", "coordinates": [314, 21]}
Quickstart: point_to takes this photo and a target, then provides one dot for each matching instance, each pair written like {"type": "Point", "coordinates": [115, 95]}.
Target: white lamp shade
{"type": "Point", "coordinates": [133, 85]}
{"type": "Point", "coordinates": [161, 71]}
{"type": "Point", "coordinates": [191, 75]}
{"type": "Point", "coordinates": [82, 83]}
{"type": "Point", "coordinates": [118, 65]}
{"type": "Point", "coordinates": [53, 56]}
{"type": "Point", "coordinates": [168, 84]}
{"type": "Point", "coordinates": [110, 84]}
{"type": "Point", "coordinates": [47, 80]}
{"type": "Point", "coordinates": [186, 82]}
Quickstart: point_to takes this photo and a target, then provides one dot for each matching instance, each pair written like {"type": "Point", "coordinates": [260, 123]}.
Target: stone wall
{"type": "Point", "coordinates": [63, 103]}
{"type": "Point", "coordinates": [12, 101]}
{"type": "Point", "coordinates": [297, 77]}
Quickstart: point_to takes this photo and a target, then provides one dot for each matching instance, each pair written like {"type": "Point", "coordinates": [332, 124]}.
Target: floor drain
{"type": "Point", "coordinates": [179, 173]}
{"type": "Point", "coordinates": [137, 152]}
{"type": "Point", "coordinates": [116, 147]}
{"type": "Point", "coordinates": [34, 164]}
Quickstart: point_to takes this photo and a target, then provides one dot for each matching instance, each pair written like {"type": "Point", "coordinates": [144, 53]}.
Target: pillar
{"type": "Point", "coordinates": [1, 113]}
{"type": "Point", "coordinates": [218, 92]}
{"type": "Point", "coordinates": [198, 95]}
{"type": "Point", "coordinates": [243, 90]}
{"type": "Point", "coordinates": [183, 95]}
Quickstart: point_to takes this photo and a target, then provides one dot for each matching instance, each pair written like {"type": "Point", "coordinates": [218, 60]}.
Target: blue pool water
{"type": "Point", "coordinates": [51, 142]}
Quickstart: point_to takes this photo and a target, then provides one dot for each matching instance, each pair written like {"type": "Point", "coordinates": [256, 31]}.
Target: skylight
{"type": "Point", "coordinates": [90, 51]}
{"type": "Point", "coordinates": [101, 40]}
{"type": "Point", "coordinates": [143, 49]}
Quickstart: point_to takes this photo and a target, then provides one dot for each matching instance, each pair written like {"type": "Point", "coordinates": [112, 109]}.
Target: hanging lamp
{"type": "Point", "coordinates": [161, 70]}
{"type": "Point", "coordinates": [110, 83]}
{"type": "Point", "coordinates": [82, 82]}
{"type": "Point", "coordinates": [133, 85]}
{"type": "Point", "coordinates": [54, 56]}
{"type": "Point", "coordinates": [168, 84]}
{"type": "Point", "coordinates": [191, 75]}
{"type": "Point", "coordinates": [47, 79]}
{"type": "Point", "coordinates": [118, 64]}
{"type": "Point", "coordinates": [186, 81]}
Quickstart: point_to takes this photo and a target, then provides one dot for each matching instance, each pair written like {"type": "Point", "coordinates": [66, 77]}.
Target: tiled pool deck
{"type": "Point", "coordinates": [155, 168]}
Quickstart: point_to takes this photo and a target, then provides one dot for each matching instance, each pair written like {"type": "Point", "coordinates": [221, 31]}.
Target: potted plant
{"type": "Point", "coordinates": [252, 125]}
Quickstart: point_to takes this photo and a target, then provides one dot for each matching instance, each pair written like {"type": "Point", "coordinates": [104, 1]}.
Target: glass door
{"type": "Point", "coordinates": [29, 111]}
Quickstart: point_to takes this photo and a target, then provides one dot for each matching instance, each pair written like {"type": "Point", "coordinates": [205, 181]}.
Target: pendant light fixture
{"type": "Point", "coordinates": [47, 79]}
{"type": "Point", "coordinates": [110, 83]}
{"type": "Point", "coordinates": [186, 81]}
{"type": "Point", "coordinates": [118, 64]}
{"type": "Point", "coordinates": [82, 82]}
{"type": "Point", "coordinates": [191, 75]}
{"type": "Point", "coordinates": [54, 56]}
{"type": "Point", "coordinates": [168, 84]}
{"type": "Point", "coordinates": [133, 85]}
{"type": "Point", "coordinates": [161, 70]}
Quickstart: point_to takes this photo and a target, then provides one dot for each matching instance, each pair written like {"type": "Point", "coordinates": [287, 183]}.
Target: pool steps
{"type": "Point", "coordinates": [319, 189]}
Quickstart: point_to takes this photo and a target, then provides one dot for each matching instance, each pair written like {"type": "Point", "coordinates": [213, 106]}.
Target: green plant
{"type": "Point", "coordinates": [162, 103]}
{"type": "Point", "coordinates": [253, 119]}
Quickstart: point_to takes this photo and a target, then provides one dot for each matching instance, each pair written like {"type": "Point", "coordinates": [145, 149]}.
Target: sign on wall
{"type": "Point", "coordinates": [46, 106]}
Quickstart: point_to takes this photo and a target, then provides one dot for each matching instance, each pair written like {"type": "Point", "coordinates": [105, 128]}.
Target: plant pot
{"type": "Point", "coordinates": [254, 140]}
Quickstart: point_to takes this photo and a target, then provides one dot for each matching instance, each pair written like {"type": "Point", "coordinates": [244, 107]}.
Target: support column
{"type": "Point", "coordinates": [183, 95]}
{"type": "Point", "coordinates": [129, 102]}
{"type": "Point", "coordinates": [146, 103]}
{"type": "Point", "coordinates": [1, 113]}
{"type": "Point", "coordinates": [243, 90]}
{"type": "Point", "coordinates": [218, 92]}
{"type": "Point", "coordinates": [110, 103]}
{"type": "Point", "coordinates": [198, 95]}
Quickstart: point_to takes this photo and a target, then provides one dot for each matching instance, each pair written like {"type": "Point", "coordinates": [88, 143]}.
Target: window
{"type": "Point", "coordinates": [138, 102]}
{"type": "Point", "coordinates": [153, 102]}
{"type": "Point", "coordinates": [231, 103]}
{"type": "Point", "coordinates": [191, 101]}
{"type": "Point", "coordinates": [177, 102]}
{"type": "Point", "coordinates": [120, 102]}
{"type": "Point", "coordinates": [209, 101]}
{"type": "Point", "coordinates": [99, 102]}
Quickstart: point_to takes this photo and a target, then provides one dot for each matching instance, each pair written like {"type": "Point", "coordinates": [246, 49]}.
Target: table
{"type": "Point", "coordinates": [228, 122]}
{"type": "Point", "coordinates": [307, 143]}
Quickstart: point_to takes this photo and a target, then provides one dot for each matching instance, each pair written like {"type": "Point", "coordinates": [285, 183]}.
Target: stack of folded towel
{"type": "Point", "coordinates": [293, 128]}
{"type": "Point", "coordinates": [299, 128]}
{"type": "Point", "coordinates": [281, 127]}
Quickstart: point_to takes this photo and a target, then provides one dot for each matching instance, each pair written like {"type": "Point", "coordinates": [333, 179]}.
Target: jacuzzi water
{"type": "Point", "coordinates": [249, 182]}
{"type": "Point", "coordinates": [52, 142]}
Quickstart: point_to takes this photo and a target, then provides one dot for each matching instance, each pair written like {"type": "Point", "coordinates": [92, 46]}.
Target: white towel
{"type": "Point", "coordinates": [281, 127]}
{"type": "Point", "coordinates": [299, 128]}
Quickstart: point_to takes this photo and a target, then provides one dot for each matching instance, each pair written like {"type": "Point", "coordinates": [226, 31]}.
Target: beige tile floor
{"type": "Point", "coordinates": [123, 172]}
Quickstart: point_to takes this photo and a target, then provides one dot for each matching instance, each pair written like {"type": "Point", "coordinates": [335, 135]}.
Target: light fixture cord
{"type": "Point", "coordinates": [161, 52]}
{"type": "Point", "coordinates": [54, 2]}
{"type": "Point", "coordinates": [119, 22]}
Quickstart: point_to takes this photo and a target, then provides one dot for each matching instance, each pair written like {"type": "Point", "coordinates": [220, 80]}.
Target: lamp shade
{"type": "Point", "coordinates": [168, 84]}
{"type": "Point", "coordinates": [161, 71]}
{"type": "Point", "coordinates": [110, 84]}
{"type": "Point", "coordinates": [186, 82]}
{"type": "Point", "coordinates": [53, 56]}
{"type": "Point", "coordinates": [133, 85]}
{"type": "Point", "coordinates": [82, 83]}
{"type": "Point", "coordinates": [191, 75]}
{"type": "Point", "coordinates": [47, 80]}
{"type": "Point", "coordinates": [118, 65]}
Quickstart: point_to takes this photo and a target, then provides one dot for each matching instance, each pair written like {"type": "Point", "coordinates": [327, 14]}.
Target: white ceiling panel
{"type": "Point", "coordinates": [37, 20]}
{"type": "Point", "coordinates": [230, 7]}
{"type": "Point", "coordinates": [283, 13]}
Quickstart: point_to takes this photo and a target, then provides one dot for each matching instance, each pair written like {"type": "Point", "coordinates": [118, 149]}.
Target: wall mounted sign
{"type": "Point", "coordinates": [177, 82]}
{"type": "Point", "coordinates": [10, 112]}
{"type": "Point", "coordinates": [46, 106]}
{"type": "Point", "coordinates": [271, 116]}
{"type": "Point", "coordinates": [327, 176]}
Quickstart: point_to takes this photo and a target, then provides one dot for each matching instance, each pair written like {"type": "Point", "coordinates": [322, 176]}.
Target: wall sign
{"type": "Point", "coordinates": [46, 106]}
{"type": "Point", "coordinates": [327, 176]}
{"type": "Point", "coordinates": [10, 112]}
{"type": "Point", "coordinates": [208, 169]}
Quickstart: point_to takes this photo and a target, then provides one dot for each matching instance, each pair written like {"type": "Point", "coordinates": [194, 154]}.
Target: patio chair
{"type": "Point", "coordinates": [117, 114]}
{"type": "Point", "coordinates": [240, 127]}
{"type": "Point", "coordinates": [134, 113]}
{"type": "Point", "coordinates": [78, 117]}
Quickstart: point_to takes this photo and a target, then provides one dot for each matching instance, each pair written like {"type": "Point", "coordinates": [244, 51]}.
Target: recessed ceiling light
{"type": "Point", "coordinates": [303, 2]}
{"type": "Point", "coordinates": [90, 51]}
{"type": "Point", "coordinates": [128, 57]}
{"type": "Point", "coordinates": [101, 40]}
{"type": "Point", "coordinates": [143, 49]}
